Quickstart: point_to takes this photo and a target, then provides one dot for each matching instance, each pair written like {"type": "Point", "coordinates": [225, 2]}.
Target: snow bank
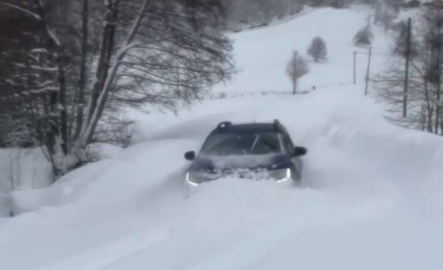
{"type": "Point", "coordinates": [101, 151]}
{"type": "Point", "coordinates": [4, 204]}
{"type": "Point", "coordinates": [24, 172]}
{"type": "Point", "coordinates": [23, 169]}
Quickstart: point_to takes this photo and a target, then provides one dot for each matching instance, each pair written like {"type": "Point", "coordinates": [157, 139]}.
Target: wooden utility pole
{"type": "Point", "coordinates": [408, 56]}
{"type": "Point", "coordinates": [439, 53]}
{"type": "Point", "coordinates": [369, 20]}
{"type": "Point", "coordinates": [355, 68]}
{"type": "Point", "coordinates": [368, 70]}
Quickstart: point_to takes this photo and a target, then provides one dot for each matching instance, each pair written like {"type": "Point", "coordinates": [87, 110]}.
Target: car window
{"type": "Point", "coordinates": [260, 143]}
{"type": "Point", "coordinates": [287, 143]}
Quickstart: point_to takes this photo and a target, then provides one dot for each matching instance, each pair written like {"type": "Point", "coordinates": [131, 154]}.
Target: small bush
{"type": "Point", "coordinates": [317, 50]}
{"type": "Point", "coordinates": [363, 37]}
{"type": "Point", "coordinates": [223, 95]}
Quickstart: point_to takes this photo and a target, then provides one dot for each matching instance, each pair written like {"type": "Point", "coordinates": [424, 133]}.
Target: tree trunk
{"type": "Point", "coordinates": [428, 105]}
{"type": "Point", "coordinates": [430, 117]}
{"type": "Point", "coordinates": [106, 50]}
{"type": "Point", "coordinates": [62, 106]}
{"type": "Point", "coordinates": [423, 117]}
{"type": "Point", "coordinates": [82, 80]}
{"type": "Point", "coordinates": [441, 125]}
{"type": "Point", "coordinates": [101, 101]}
{"type": "Point", "coordinates": [58, 126]}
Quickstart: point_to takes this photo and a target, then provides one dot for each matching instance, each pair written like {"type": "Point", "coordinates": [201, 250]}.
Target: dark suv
{"type": "Point", "coordinates": [258, 151]}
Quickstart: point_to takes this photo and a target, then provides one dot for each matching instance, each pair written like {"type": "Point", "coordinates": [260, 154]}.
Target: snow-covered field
{"type": "Point", "coordinates": [372, 193]}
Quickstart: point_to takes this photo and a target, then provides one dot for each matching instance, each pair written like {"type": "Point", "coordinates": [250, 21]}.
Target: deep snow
{"type": "Point", "coordinates": [371, 195]}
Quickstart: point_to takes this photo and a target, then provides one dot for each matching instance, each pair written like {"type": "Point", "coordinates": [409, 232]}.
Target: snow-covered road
{"type": "Point", "coordinates": [371, 196]}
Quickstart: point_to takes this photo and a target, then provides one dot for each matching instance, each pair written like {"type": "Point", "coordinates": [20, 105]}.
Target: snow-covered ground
{"type": "Point", "coordinates": [262, 54]}
{"type": "Point", "coordinates": [372, 194]}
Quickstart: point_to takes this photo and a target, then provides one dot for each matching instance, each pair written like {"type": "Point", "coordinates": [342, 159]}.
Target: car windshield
{"type": "Point", "coordinates": [224, 144]}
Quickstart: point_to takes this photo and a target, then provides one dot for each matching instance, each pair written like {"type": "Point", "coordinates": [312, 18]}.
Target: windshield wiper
{"type": "Point", "coordinates": [255, 142]}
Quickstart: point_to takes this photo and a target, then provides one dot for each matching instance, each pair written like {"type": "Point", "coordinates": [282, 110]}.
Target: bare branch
{"type": "Point", "coordinates": [28, 12]}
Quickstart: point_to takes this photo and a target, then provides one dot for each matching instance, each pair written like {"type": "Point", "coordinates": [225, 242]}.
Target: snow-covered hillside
{"type": "Point", "coordinates": [371, 198]}
{"type": "Point", "coordinates": [262, 54]}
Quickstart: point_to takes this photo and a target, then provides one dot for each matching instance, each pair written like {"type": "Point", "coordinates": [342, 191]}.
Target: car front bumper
{"type": "Point", "coordinates": [195, 178]}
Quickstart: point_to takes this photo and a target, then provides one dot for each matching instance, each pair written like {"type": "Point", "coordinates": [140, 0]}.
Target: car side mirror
{"type": "Point", "coordinates": [300, 151]}
{"type": "Point", "coordinates": [190, 155]}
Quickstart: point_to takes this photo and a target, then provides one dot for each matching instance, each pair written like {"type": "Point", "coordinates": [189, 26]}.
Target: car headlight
{"type": "Point", "coordinates": [281, 175]}
{"type": "Point", "coordinates": [189, 181]}
{"type": "Point", "coordinates": [195, 178]}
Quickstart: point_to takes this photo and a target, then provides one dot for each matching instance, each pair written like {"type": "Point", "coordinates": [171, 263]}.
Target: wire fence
{"type": "Point", "coordinates": [287, 91]}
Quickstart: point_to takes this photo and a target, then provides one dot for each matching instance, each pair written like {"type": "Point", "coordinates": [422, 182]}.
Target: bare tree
{"type": "Point", "coordinates": [296, 68]}
{"type": "Point", "coordinates": [424, 108]}
{"type": "Point", "coordinates": [331, 3]}
{"type": "Point", "coordinates": [385, 13]}
{"type": "Point", "coordinates": [67, 75]}
{"type": "Point", "coordinates": [318, 49]}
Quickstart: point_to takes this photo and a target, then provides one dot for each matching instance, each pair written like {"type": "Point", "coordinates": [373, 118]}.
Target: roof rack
{"type": "Point", "coordinates": [277, 124]}
{"type": "Point", "coordinates": [224, 124]}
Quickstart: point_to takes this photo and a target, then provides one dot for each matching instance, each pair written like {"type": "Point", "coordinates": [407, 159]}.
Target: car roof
{"type": "Point", "coordinates": [228, 127]}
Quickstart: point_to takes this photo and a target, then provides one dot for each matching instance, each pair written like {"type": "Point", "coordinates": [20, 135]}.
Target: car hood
{"type": "Point", "coordinates": [269, 162]}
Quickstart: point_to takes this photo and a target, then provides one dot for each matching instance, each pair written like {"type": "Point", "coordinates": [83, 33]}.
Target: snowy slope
{"type": "Point", "coordinates": [371, 195]}
{"type": "Point", "coordinates": [262, 55]}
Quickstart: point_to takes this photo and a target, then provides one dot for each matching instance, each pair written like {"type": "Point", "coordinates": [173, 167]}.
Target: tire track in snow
{"type": "Point", "coordinates": [104, 256]}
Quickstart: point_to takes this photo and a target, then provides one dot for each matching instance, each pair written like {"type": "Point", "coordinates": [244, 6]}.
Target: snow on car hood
{"type": "Point", "coordinates": [273, 161]}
